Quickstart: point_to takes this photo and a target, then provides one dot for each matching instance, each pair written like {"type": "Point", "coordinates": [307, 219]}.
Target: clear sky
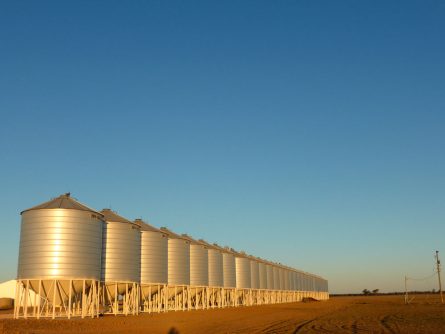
{"type": "Point", "coordinates": [307, 132]}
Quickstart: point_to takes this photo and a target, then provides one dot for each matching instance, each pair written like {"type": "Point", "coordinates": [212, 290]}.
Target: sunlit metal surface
{"type": "Point", "coordinates": [262, 275]}
{"type": "Point", "coordinates": [60, 243]}
{"type": "Point", "coordinates": [243, 280]}
{"type": "Point", "coordinates": [121, 255]}
{"type": "Point", "coordinates": [270, 278]}
{"type": "Point", "coordinates": [178, 259]}
{"type": "Point", "coordinates": [154, 255]}
{"type": "Point", "coordinates": [254, 274]}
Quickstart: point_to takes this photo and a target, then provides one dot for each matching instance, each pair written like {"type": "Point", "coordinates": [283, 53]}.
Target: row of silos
{"type": "Point", "coordinates": [64, 239]}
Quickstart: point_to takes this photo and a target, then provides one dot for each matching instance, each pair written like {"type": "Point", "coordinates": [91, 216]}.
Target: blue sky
{"type": "Point", "coordinates": [306, 132]}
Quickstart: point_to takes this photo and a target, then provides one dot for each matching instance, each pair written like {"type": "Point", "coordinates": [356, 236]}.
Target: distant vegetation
{"type": "Point", "coordinates": [367, 292]}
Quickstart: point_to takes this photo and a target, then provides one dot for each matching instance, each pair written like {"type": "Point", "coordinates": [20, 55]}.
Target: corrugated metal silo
{"type": "Point", "coordinates": [121, 252]}
{"type": "Point", "coordinates": [286, 278]}
{"type": "Point", "coordinates": [305, 282]}
{"type": "Point", "coordinates": [270, 278]}
{"type": "Point", "coordinates": [281, 273]}
{"type": "Point", "coordinates": [60, 239]}
{"type": "Point", "coordinates": [154, 254]}
{"type": "Point", "coordinates": [263, 274]}
{"type": "Point", "coordinates": [301, 281]}
{"type": "Point", "coordinates": [178, 258]}
{"type": "Point", "coordinates": [276, 277]}
{"type": "Point", "coordinates": [290, 274]}
{"type": "Point", "coordinates": [216, 272]}
{"type": "Point", "coordinates": [254, 273]}
{"type": "Point", "coordinates": [295, 277]}
{"type": "Point", "coordinates": [243, 276]}
{"type": "Point", "coordinates": [229, 266]}
{"type": "Point", "coordinates": [199, 262]}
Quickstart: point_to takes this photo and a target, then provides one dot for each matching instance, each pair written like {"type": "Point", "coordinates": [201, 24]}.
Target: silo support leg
{"type": "Point", "coordinates": [17, 300]}
{"type": "Point", "coordinates": [69, 298]}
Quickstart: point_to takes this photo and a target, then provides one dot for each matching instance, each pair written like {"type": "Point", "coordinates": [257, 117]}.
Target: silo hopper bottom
{"type": "Point", "coordinates": [58, 291]}
{"type": "Point", "coordinates": [56, 297]}
{"type": "Point", "coordinates": [153, 297]}
{"type": "Point", "coordinates": [176, 290]}
{"type": "Point", "coordinates": [194, 290]}
{"type": "Point", "coordinates": [114, 289]}
{"type": "Point", "coordinates": [121, 297]}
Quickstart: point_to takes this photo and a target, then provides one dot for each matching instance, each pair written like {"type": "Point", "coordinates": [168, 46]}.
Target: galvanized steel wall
{"type": "Point", "coordinates": [243, 279]}
{"type": "Point", "coordinates": [276, 278]}
{"type": "Point", "coordinates": [270, 278]}
{"type": "Point", "coordinates": [121, 252]}
{"type": "Point", "coordinates": [178, 262]}
{"type": "Point", "coordinates": [286, 279]}
{"type": "Point", "coordinates": [229, 270]}
{"type": "Point", "coordinates": [60, 243]}
{"type": "Point", "coordinates": [154, 257]}
{"type": "Point", "coordinates": [216, 272]}
{"type": "Point", "coordinates": [291, 280]}
{"type": "Point", "coordinates": [281, 273]}
{"type": "Point", "coordinates": [199, 265]}
{"type": "Point", "coordinates": [254, 274]}
{"type": "Point", "coordinates": [263, 275]}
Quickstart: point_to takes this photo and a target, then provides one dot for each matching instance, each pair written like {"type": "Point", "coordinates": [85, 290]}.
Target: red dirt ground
{"type": "Point", "coordinates": [373, 314]}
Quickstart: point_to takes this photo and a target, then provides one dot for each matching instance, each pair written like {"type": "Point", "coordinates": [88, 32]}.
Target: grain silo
{"type": "Point", "coordinates": [229, 266]}
{"type": "Point", "coordinates": [299, 281]}
{"type": "Point", "coordinates": [60, 257]}
{"type": "Point", "coordinates": [121, 262]}
{"type": "Point", "coordinates": [216, 272]}
{"type": "Point", "coordinates": [276, 277]}
{"type": "Point", "coordinates": [286, 278]}
{"type": "Point", "coordinates": [178, 258]}
{"type": "Point", "coordinates": [154, 266]}
{"type": "Point", "coordinates": [199, 262]}
{"type": "Point", "coordinates": [270, 278]}
{"type": "Point", "coordinates": [295, 282]}
{"type": "Point", "coordinates": [281, 273]}
{"type": "Point", "coordinates": [312, 283]}
{"type": "Point", "coordinates": [154, 254]}
{"type": "Point", "coordinates": [263, 274]}
{"type": "Point", "coordinates": [243, 271]}
{"type": "Point", "coordinates": [290, 282]}
{"type": "Point", "coordinates": [254, 273]}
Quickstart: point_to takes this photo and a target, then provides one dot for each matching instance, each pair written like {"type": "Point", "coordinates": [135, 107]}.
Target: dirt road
{"type": "Point", "coordinates": [379, 314]}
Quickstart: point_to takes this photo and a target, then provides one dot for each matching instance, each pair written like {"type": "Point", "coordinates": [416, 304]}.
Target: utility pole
{"type": "Point", "coordinates": [406, 291]}
{"type": "Point", "coordinates": [438, 275]}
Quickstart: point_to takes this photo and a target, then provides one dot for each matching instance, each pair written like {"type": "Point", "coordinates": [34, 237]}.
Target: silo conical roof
{"type": "Point", "coordinates": [208, 245]}
{"type": "Point", "coordinates": [111, 216]}
{"type": "Point", "coordinates": [147, 227]}
{"type": "Point", "coordinates": [173, 235]}
{"type": "Point", "coordinates": [225, 249]}
{"type": "Point", "coordinates": [192, 241]}
{"type": "Point", "coordinates": [64, 201]}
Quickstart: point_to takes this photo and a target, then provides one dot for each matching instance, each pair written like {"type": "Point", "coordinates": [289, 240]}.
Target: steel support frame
{"type": "Point", "coordinates": [84, 298]}
{"type": "Point", "coordinates": [54, 298]}
{"type": "Point", "coordinates": [120, 298]}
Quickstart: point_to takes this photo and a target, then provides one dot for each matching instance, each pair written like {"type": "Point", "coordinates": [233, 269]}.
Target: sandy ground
{"type": "Point", "coordinates": [375, 314]}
